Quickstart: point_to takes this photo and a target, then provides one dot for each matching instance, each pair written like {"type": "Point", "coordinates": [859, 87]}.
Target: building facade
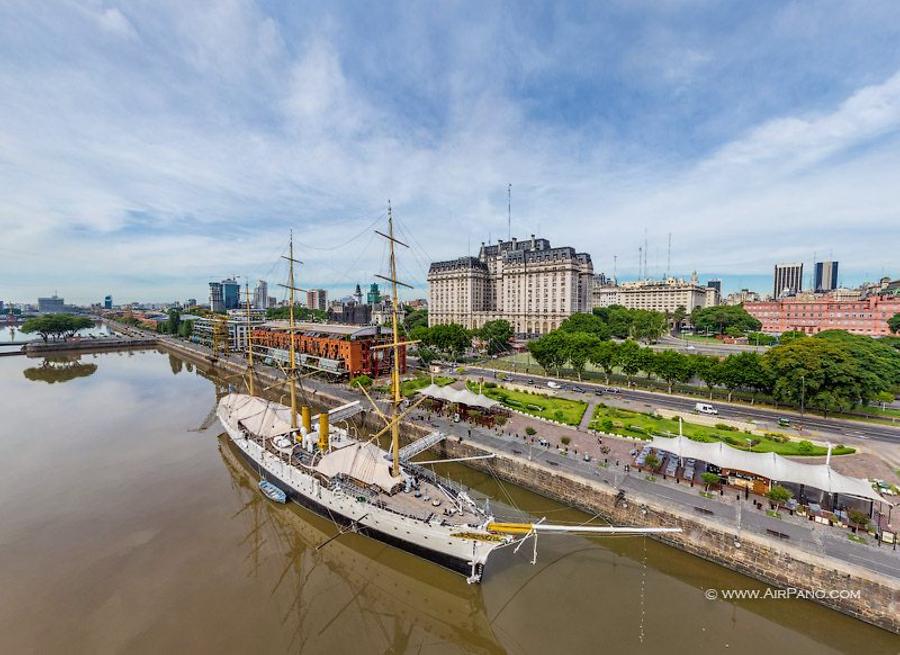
{"type": "Point", "coordinates": [53, 304]}
{"type": "Point", "coordinates": [107, 302]}
{"type": "Point", "coordinates": [867, 316]}
{"type": "Point", "coordinates": [261, 295]}
{"type": "Point", "coordinates": [528, 283]}
{"type": "Point", "coordinates": [231, 294]}
{"type": "Point", "coordinates": [317, 299]}
{"type": "Point", "coordinates": [788, 280]}
{"type": "Point", "coordinates": [742, 296]}
{"type": "Point", "coordinates": [826, 276]}
{"type": "Point", "coordinates": [342, 350]}
{"type": "Point", "coordinates": [216, 301]}
{"type": "Point", "coordinates": [663, 295]}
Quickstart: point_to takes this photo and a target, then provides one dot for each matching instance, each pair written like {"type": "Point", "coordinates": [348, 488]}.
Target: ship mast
{"type": "Point", "coordinates": [396, 398]}
{"type": "Point", "coordinates": [292, 369]}
{"type": "Point", "coordinates": [249, 342]}
{"type": "Point", "coordinates": [395, 369]}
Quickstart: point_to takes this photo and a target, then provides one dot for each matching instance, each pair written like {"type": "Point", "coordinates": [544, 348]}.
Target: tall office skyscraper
{"type": "Point", "coordinates": [216, 301]}
{"type": "Point", "coordinates": [317, 299]}
{"type": "Point", "coordinates": [107, 302]}
{"type": "Point", "coordinates": [826, 276]}
{"type": "Point", "coordinates": [788, 280]}
{"type": "Point", "coordinates": [261, 295]}
{"type": "Point", "coordinates": [231, 294]}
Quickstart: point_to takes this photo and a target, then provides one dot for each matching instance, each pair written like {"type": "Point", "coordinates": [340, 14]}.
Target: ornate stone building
{"type": "Point", "coordinates": [528, 283]}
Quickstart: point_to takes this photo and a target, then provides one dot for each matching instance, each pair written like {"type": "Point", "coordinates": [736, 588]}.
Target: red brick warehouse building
{"type": "Point", "coordinates": [342, 350]}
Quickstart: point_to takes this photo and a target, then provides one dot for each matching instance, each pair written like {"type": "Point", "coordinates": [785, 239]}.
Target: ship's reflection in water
{"type": "Point", "coordinates": [395, 602]}
{"type": "Point", "coordinates": [125, 526]}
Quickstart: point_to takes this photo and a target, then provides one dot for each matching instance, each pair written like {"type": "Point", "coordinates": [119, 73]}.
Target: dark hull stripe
{"type": "Point", "coordinates": [447, 561]}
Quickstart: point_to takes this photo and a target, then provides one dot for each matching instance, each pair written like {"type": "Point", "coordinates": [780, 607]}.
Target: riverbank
{"type": "Point", "coordinates": [861, 593]}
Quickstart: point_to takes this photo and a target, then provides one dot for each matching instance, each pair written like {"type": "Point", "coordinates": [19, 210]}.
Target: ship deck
{"type": "Point", "coordinates": [431, 499]}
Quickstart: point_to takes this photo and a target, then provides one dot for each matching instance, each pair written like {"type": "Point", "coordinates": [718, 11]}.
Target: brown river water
{"type": "Point", "coordinates": [124, 529]}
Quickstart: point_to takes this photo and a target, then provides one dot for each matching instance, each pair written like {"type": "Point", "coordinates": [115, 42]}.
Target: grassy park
{"type": "Point", "coordinates": [641, 426]}
{"type": "Point", "coordinates": [562, 410]}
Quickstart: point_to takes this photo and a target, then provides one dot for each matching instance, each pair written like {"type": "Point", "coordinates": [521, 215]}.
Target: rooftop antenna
{"type": "Point", "coordinates": [669, 257]}
{"type": "Point", "coordinates": [640, 263]}
{"type": "Point", "coordinates": [645, 252]}
{"type": "Point", "coordinates": [509, 211]}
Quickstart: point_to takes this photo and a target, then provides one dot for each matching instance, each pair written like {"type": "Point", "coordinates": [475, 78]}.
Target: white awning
{"type": "Point", "coordinates": [362, 461]}
{"type": "Point", "coordinates": [461, 396]}
{"type": "Point", "coordinates": [768, 465]}
{"type": "Point", "coordinates": [266, 419]}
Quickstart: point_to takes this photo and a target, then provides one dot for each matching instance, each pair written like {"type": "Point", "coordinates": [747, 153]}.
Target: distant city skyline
{"type": "Point", "coordinates": [142, 158]}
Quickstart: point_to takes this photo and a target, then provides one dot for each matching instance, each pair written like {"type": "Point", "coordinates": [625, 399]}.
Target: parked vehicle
{"type": "Point", "coordinates": [611, 390]}
{"type": "Point", "coordinates": [554, 385]}
{"type": "Point", "coordinates": [577, 389]}
{"type": "Point", "coordinates": [587, 457]}
{"type": "Point", "coordinates": [784, 422]}
{"type": "Point", "coordinates": [705, 408]}
{"type": "Point", "coordinates": [598, 392]}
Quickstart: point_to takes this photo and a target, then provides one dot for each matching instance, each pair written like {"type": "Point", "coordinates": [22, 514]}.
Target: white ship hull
{"type": "Point", "coordinates": [429, 540]}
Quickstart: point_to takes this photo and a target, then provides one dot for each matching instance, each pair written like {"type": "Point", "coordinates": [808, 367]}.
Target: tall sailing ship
{"type": "Point", "coordinates": [359, 485]}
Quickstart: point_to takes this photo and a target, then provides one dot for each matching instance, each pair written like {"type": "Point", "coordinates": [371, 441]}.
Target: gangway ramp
{"type": "Point", "coordinates": [412, 449]}
{"type": "Point", "coordinates": [343, 412]}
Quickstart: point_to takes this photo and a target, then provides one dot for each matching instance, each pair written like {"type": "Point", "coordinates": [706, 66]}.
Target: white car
{"type": "Point", "coordinates": [553, 385]}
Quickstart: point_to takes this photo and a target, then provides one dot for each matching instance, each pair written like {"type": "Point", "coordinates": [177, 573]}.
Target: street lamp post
{"type": "Point", "coordinates": [802, 394]}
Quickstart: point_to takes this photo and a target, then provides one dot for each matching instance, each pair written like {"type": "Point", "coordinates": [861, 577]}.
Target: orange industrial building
{"type": "Point", "coordinates": [344, 350]}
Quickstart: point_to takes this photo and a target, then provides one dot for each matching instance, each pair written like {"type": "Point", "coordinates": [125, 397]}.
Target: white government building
{"type": "Point", "coordinates": [528, 283]}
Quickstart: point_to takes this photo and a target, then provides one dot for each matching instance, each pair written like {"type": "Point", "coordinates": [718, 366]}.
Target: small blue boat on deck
{"type": "Point", "coordinates": [272, 492]}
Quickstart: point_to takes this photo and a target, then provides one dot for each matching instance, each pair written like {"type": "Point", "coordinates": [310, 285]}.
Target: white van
{"type": "Point", "coordinates": [705, 408]}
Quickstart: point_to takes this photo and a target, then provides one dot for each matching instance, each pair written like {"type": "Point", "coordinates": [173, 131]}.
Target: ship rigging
{"type": "Point", "coordinates": [359, 485]}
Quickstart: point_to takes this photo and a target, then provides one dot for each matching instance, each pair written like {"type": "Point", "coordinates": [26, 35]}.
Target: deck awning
{"type": "Point", "coordinates": [460, 396]}
{"type": "Point", "coordinates": [260, 417]}
{"type": "Point", "coordinates": [360, 461]}
{"type": "Point", "coordinates": [769, 465]}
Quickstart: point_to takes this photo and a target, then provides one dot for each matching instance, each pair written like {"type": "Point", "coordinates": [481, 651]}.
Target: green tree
{"type": "Point", "coordinates": [496, 335]}
{"type": "Point", "coordinates": [186, 329]}
{"type": "Point", "coordinates": [362, 381]}
{"type": "Point", "coordinates": [415, 318]}
{"type": "Point", "coordinates": [789, 336]}
{"type": "Point", "coordinates": [708, 369]}
{"type": "Point", "coordinates": [894, 323]}
{"type": "Point", "coordinates": [174, 322]}
{"type": "Point", "coordinates": [577, 349]}
{"type": "Point", "coordinates": [673, 367]}
{"type": "Point", "coordinates": [56, 326]}
{"type": "Point", "coordinates": [709, 479]}
{"type": "Point", "coordinates": [652, 461]}
{"type": "Point", "coordinates": [631, 358]}
{"type": "Point", "coordinates": [604, 355]}
{"type": "Point", "coordinates": [587, 323]}
{"type": "Point", "coordinates": [779, 495]}
{"type": "Point", "coordinates": [451, 339]}
{"type": "Point", "coordinates": [721, 317]}
{"type": "Point", "coordinates": [549, 351]}
{"type": "Point", "coordinates": [832, 371]}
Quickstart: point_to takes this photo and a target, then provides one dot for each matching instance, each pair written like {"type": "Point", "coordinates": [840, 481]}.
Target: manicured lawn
{"type": "Point", "coordinates": [409, 387]}
{"type": "Point", "coordinates": [643, 426]}
{"type": "Point", "coordinates": [565, 411]}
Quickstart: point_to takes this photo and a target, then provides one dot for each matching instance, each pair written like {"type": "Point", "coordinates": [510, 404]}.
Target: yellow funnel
{"type": "Point", "coordinates": [305, 419]}
{"type": "Point", "coordinates": [323, 431]}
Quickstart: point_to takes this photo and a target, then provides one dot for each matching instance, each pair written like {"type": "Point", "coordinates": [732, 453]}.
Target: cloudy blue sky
{"type": "Point", "coordinates": [148, 147]}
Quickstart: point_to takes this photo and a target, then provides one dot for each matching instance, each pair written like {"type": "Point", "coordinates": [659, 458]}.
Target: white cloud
{"type": "Point", "coordinates": [150, 169]}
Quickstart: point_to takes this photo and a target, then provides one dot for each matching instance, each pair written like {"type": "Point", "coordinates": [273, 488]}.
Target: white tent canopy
{"type": "Point", "coordinates": [362, 461]}
{"type": "Point", "coordinates": [768, 465]}
{"type": "Point", "coordinates": [461, 396]}
{"type": "Point", "coordinates": [257, 415]}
